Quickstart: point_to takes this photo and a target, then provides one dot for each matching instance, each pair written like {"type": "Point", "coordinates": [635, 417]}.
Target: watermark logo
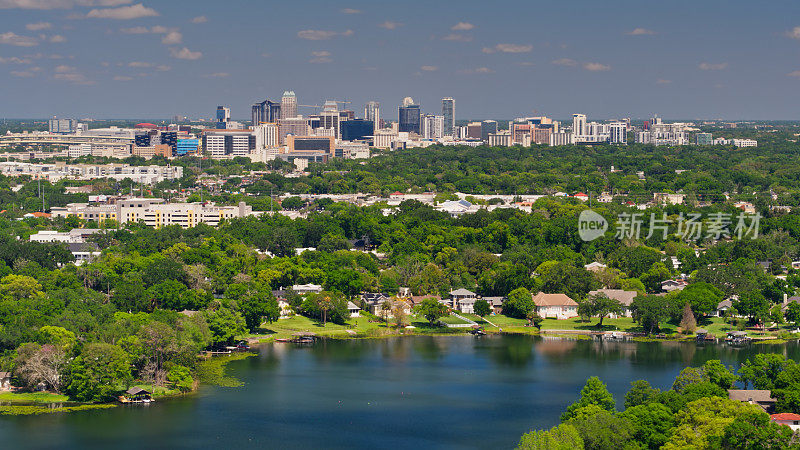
{"type": "Point", "coordinates": [591, 225]}
{"type": "Point", "coordinates": [685, 227]}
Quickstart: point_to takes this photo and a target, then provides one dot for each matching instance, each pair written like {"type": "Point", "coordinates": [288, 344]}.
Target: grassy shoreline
{"type": "Point", "coordinates": [371, 328]}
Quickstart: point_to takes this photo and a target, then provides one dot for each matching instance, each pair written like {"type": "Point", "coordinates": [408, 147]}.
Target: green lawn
{"type": "Point", "coordinates": [453, 320]}
{"type": "Point", "coordinates": [363, 326]}
{"type": "Point", "coordinates": [158, 391]}
{"type": "Point", "coordinates": [284, 328]}
{"type": "Point", "coordinates": [32, 397]}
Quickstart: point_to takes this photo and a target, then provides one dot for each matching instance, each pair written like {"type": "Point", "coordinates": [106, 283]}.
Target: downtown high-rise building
{"type": "Point", "coordinates": [488, 127]}
{"type": "Point", "coordinates": [372, 112]}
{"type": "Point", "coordinates": [432, 126]}
{"type": "Point", "coordinates": [223, 117]}
{"type": "Point", "coordinates": [329, 118]}
{"type": "Point", "coordinates": [266, 112]}
{"type": "Point", "coordinates": [449, 114]}
{"type": "Point", "coordinates": [579, 124]}
{"type": "Point", "coordinates": [288, 105]}
{"type": "Point", "coordinates": [409, 116]}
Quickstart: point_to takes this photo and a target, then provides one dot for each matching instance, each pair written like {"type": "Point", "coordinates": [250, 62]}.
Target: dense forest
{"type": "Point", "coordinates": [124, 309]}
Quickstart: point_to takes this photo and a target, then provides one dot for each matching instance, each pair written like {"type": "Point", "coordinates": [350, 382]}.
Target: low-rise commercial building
{"type": "Point", "coordinates": [155, 213]}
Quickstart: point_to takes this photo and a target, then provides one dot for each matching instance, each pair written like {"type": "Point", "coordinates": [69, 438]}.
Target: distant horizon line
{"type": "Point", "coordinates": [211, 119]}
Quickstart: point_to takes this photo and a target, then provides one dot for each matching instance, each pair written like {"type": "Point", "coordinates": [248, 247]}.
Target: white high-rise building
{"type": "Point", "coordinates": [618, 132]}
{"type": "Point", "coordinates": [432, 126]}
{"type": "Point", "coordinates": [267, 135]}
{"type": "Point", "coordinates": [288, 105]}
{"type": "Point", "coordinates": [372, 111]}
{"type": "Point", "coordinates": [578, 124]}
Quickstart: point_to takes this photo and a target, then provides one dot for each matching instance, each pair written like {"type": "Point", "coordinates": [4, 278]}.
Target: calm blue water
{"type": "Point", "coordinates": [412, 392]}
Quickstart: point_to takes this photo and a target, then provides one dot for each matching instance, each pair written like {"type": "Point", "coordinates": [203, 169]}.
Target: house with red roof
{"type": "Point", "coordinates": [791, 420]}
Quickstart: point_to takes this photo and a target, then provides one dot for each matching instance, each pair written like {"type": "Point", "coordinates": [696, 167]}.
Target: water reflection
{"type": "Point", "coordinates": [409, 392]}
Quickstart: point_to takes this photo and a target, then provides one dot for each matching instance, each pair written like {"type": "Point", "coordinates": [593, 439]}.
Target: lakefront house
{"type": "Point", "coordinates": [555, 306]}
{"type": "Point", "coordinates": [625, 298]}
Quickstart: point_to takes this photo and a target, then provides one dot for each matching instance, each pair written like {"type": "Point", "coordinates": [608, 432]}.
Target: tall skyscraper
{"type": "Point", "coordinates": [449, 113]}
{"type": "Point", "coordinates": [288, 105]}
{"type": "Point", "coordinates": [372, 112]}
{"type": "Point", "coordinates": [409, 116]}
{"type": "Point", "coordinates": [578, 124]}
{"type": "Point", "coordinates": [223, 117]}
{"type": "Point", "coordinates": [266, 112]}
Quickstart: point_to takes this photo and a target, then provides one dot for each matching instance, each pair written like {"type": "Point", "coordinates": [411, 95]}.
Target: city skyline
{"type": "Point", "coordinates": [119, 58]}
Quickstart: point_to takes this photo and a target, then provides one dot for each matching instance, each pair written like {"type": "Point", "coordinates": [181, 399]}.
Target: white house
{"type": "Point", "coordinates": [557, 306]}
{"type": "Point", "coordinates": [595, 266]}
{"type": "Point", "coordinates": [353, 309]}
{"type": "Point", "coordinates": [622, 296]}
{"type": "Point", "coordinates": [723, 307]}
{"type": "Point", "coordinates": [463, 300]}
{"type": "Point", "coordinates": [5, 381]}
{"type": "Point", "coordinates": [307, 288]}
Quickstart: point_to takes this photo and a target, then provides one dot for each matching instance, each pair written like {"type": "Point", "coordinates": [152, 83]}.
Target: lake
{"type": "Point", "coordinates": [412, 392]}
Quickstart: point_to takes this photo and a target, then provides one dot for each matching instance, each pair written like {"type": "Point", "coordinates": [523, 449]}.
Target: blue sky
{"type": "Point", "coordinates": [154, 59]}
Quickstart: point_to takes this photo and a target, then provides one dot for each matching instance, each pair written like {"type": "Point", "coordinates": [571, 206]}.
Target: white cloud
{"type": "Point", "coordinates": [389, 25]}
{"type": "Point", "coordinates": [200, 19]}
{"type": "Point", "coordinates": [321, 57]}
{"type": "Point", "coordinates": [123, 13]}
{"type": "Point", "coordinates": [163, 68]}
{"type": "Point", "coordinates": [57, 39]}
{"type": "Point", "coordinates": [796, 73]}
{"type": "Point", "coordinates": [794, 33]}
{"type": "Point", "coordinates": [429, 68]}
{"type": "Point", "coordinates": [25, 73]}
{"type": "Point", "coordinates": [172, 38]}
{"type": "Point", "coordinates": [462, 26]}
{"type": "Point", "coordinates": [640, 32]}
{"type": "Point", "coordinates": [321, 35]}
{"type": "Point", "coordinates": [508, 48]}
{"type": "Point", "coordinates": [15, 60]}
{"type": "Point", "coordinates": [156, 29]}
{"type": "Point", "coordinates": [34, 4]}
{"type": "Point", "coordinates": [12, 38]}
{"type": "Point", "coordinates": [70, 74]}
{"type": "Point", "coordinates": [39, 26]}
{"type": "Point", "coordinates": [351, 11]}
{"type": "Point", "coordinates": [135, 30]}
{"type": "Point", "coordinates": [713, 66]}
{"type": "Point", "coordinates": [457, 37]}
{"type": "Point", "coordinates": [566, 62]}
{"type": "Point", "coordinates": [478, 70]}
{"type": "Point", "coordinates": [139, 64]}
{"type": "Point", "coordinates": [663, 81]}
{"type": "Point", "coordinates": [217, 75]}
{"type": "Point", "coordinates": [57, 4]}
{"type": "Point", "coordinates": [185, 53]}
{"type": "Point", "coordinates": [122, 78]}
{"type": "Point", "coordinates": [596, 67]}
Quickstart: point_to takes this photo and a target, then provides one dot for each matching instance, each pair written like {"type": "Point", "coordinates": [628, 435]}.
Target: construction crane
{"type": "Point", "coordinates": [320, 106]}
